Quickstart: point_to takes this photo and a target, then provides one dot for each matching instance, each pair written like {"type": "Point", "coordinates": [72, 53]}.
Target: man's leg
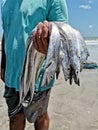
{"type": "Point", "coordinates": [42, 123]}
{"type": "Point", "coordinates": [17, 122]}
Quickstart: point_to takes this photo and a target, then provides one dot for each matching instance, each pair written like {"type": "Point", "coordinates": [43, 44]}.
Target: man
{"type": "Point", "coordinates": [19, 17]}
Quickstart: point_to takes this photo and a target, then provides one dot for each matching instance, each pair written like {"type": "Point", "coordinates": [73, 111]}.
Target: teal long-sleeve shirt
{"type": "Point", "coordinates": [19, 17]}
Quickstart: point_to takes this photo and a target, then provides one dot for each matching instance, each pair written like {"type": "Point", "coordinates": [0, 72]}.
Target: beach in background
{"type": "Point", "coordinates": [70, 107]}
{"type": "Point", "coordinates": [92, 46]}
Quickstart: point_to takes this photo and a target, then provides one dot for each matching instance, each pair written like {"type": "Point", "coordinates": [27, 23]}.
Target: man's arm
{"type": "Point", "coordinates": [3, 59]}
{"type": "Point", "coordinates": [57, 11]}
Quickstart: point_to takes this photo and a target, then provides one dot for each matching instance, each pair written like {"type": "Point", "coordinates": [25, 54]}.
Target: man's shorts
{"type": "Point", "coordinates": [34, 110]}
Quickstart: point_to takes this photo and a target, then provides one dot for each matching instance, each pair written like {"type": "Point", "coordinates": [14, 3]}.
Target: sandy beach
{"type": "Point", "coordinates": [70, 107]}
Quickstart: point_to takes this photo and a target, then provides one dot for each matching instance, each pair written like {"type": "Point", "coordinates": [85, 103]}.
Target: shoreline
{"type": "Point", "coordinates": [91, 42]}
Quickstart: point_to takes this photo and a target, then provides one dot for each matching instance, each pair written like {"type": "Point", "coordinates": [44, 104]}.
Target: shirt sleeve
{"type": "Point", "coordinates": [58, 11]}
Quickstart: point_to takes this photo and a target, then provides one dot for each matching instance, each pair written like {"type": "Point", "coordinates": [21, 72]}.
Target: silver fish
{"type": "Point", "coordinates": [64, 59]}
{"type": "Point", "coordinates": [76, 49]}
{"type": "Point", "coordinates": [52, 58]}
{"type": "Point", "coordinates": [83, 49]}
{"type": "Point", "coordinates": [30, 72]}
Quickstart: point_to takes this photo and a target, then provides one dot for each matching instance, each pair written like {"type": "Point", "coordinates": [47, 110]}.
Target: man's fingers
{"type": "Point", "coordinates": [35, 40]}
{"type": "Point", "coordinates": [42, 36]}
{"type": "Point", "coordinates": [39, 34]}
{"type": "Point", "coordinates": [39, 37]}
{"type": "Point", "coordinates": [46, 23]}
{"type": "Point", "coordinates": [39, 29]}
{"type": "Point", "coordinates": [45, 32]}
{"type": "Point", "coordinates": [45, 37]}
{"type": "Point", "coordinates": [49, 26]}
{"type": "Point", "coordinates": [40, 43]}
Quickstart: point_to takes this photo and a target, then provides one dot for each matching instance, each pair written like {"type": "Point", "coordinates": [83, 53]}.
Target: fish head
{"type": "Point", "coordinates": [77, 78]}
{"type": "Point", "coordinates": [49, 73]}
{"type": "Point", "coordinates": [47, 80]}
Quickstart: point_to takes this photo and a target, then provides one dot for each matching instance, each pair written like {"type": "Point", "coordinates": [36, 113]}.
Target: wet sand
{"type": "Point", "coordinates": [70, 107]}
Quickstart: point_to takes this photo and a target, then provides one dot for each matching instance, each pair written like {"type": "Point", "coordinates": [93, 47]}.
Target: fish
{"type": "Point", "coordinates": [32, 63]}
{"type": "Point", "coordinates": [76, 50]}
{"type": "Point", "coordinates": [52, 58]}
{"type": "Point", "coordinates": [84, 51]}
{"type": "Point", "coordinates": [64, 59]}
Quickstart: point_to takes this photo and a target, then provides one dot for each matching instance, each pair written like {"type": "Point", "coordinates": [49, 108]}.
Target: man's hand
{"type": "Point", "coordinates": [41, 37]}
